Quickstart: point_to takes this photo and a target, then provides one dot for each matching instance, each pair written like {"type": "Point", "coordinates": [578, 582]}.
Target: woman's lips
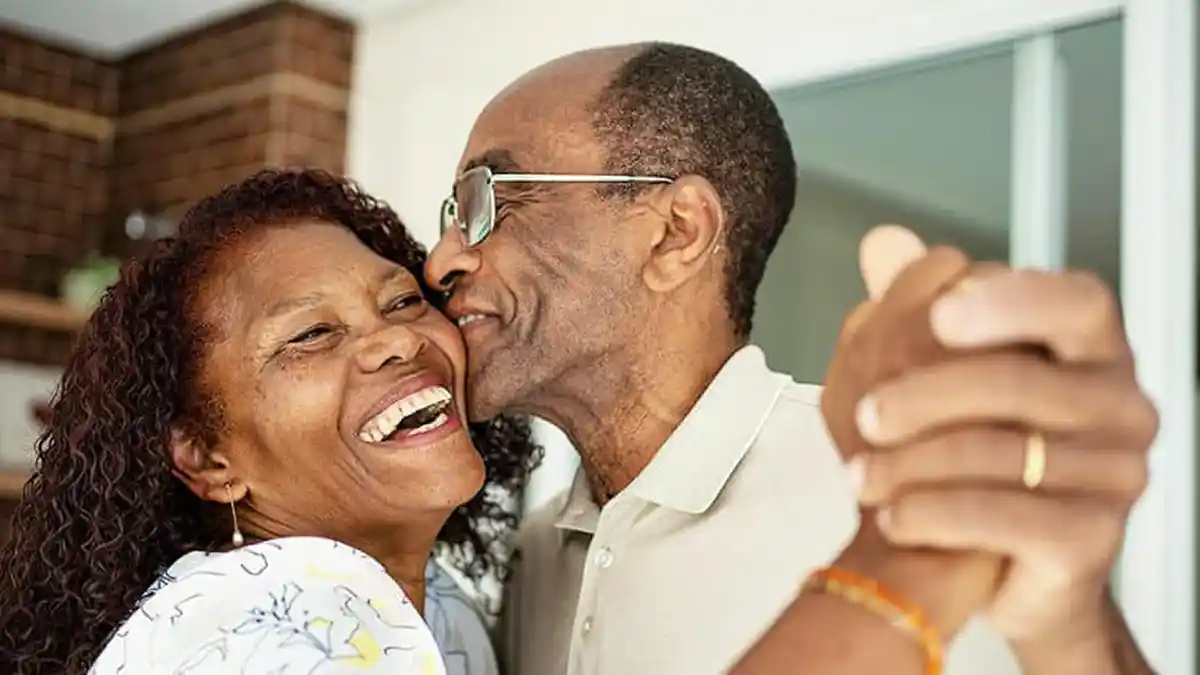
{"type": "Point", "coordinates": [446, 423]}
{"type": "Point", "coordinates": [408, 413]}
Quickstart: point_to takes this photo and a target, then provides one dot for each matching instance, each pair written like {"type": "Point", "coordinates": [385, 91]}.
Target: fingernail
{"type": "Point", "coordinates": [856, 469]}
{"type": "Point", "coordinates": [867, 416]}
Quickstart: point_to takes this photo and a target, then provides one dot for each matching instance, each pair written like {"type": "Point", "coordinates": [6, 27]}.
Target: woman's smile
{"type": "Point", "coordinates": [418, 411]}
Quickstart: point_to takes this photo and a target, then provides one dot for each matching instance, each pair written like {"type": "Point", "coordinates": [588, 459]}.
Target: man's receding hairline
{"type": "Point", "coordinates": [629, 53]}
{"type": "Point", "coordinates": [670, 108]}
{"type": "Point", "coordinates": [602, 99]}
{"type": "Point", "coordinates": [605, 63]}
{"type": "Point", "coordinates": [614, 57]}
{"type": "Point", "coordinates": [610, 61]}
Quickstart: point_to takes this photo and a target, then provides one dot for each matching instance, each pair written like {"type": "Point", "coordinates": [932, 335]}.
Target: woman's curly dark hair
{"type": "Point", "coordinates": [103, 514]}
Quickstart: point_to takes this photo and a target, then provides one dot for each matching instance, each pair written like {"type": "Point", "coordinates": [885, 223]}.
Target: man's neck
{"type": "Point", "coordinates": [620, 412]}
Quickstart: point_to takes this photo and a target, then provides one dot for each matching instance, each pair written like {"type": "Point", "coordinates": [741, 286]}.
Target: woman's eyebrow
{"type": "Point", "coordinates": [292, 304]}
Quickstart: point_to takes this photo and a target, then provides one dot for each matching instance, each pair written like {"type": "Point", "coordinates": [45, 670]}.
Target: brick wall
{"type": "Point", "coordinates": [265, 88]}
{"type": "Point", "coordinates": [56, 109]}
{"type": "Point", "coordinates": [311, 129]}
{"type": "Point", "coordinates": [83, 143]}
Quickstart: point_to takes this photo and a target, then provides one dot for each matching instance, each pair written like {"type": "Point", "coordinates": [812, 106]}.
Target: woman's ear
{"type": "Point", "coordinates": [204, 472]}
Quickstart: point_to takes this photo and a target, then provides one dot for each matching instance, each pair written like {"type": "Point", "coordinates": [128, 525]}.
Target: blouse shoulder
{"type": "Point", "coordinates": [302, 604]}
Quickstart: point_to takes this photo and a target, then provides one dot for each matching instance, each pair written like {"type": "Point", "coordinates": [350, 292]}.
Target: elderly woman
{"type": "Point", "coordinates": [257, 443]}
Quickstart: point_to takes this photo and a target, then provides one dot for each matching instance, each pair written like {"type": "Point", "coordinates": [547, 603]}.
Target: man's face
{"type": "Point", "coordinates": [555, 288]}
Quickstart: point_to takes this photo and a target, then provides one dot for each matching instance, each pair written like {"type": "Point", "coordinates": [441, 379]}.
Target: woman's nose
{"type": "Point", "coordinates": [450, 259]}
{"type": "Point", "coordinates": [390, 345]}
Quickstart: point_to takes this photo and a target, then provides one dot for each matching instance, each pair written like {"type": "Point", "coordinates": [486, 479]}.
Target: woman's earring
{"type": "Point", "coordinates": [237, 538]}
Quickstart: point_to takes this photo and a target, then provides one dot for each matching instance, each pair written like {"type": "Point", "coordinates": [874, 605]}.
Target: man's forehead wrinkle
{"type": "Point", "coordinates": [499, 160]}
{"type": "Point", "coordinates": [554, 93]}
{"type": "Point", "coordinates": [562, 146]}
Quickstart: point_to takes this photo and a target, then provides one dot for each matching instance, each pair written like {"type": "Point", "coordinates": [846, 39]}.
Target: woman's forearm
{"type": "Point", "coordinates": [826, 635]}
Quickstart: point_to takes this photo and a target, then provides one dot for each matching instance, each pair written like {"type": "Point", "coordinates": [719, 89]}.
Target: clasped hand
{"type": "Point", "coordinates": [1028, 441]}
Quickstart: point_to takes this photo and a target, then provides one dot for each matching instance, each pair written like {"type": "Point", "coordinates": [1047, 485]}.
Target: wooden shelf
{"type": "Point", "coordinates": [12, 482]}
{"type": "Point", "coordinates": [38, 311]}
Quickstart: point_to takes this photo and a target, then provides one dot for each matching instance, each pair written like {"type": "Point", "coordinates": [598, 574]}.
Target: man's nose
{"type": "Point", "coordinates": [390, 345]}
{"type": "Point", "coordinates": [450, 259]}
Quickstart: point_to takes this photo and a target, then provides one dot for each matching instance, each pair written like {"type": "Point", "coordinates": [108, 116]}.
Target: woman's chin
{"type": "Point", "coordinates": [446, 467]}
{"type": "Point", "coordinates": [447, 492]}
{"type": "Point", "coordinates": [471, 478]}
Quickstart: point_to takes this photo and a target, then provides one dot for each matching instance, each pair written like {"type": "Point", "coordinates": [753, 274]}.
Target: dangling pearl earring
{"type": "Point", "coordinates": [237, 537]}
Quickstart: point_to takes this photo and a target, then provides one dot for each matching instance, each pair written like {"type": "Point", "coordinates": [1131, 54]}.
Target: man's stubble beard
{"type": "Point", "coordinates": [521, 377]}
{"type": "Point", "coordinates": [507, 383]}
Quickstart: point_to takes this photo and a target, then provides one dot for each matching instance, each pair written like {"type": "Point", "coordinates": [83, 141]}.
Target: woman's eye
{"type": "Point", "coordinates": [311, 334]}
{"type": "Point", "coordinates": [405, 302]}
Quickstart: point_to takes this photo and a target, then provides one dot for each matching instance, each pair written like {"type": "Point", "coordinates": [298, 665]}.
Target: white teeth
{"type": "Point", "coordinates": [382, 425]}
{"type": "Point", "coordinates": [469, 318]}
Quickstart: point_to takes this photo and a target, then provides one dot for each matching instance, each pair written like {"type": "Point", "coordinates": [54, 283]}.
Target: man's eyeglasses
{"type": "Point", "coordinates": [472, 207]}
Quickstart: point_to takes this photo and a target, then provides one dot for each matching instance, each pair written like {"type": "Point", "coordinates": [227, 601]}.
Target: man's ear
{"type": "Point", "coordinates": [206, 473]}
{"type": "Point", "coordinates": [693, 227]}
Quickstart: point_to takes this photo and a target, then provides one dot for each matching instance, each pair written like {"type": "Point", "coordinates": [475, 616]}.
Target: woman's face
{"type": "Point", "coordinates": [340, 387]}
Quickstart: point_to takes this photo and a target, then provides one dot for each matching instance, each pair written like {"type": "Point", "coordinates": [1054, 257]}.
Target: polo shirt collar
{"type": "Point", "coordinates": [692, 467]}
{"type": "Point", "coordinates": [579, 513]}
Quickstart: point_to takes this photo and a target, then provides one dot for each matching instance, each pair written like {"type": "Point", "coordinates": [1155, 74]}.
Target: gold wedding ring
{"type": "Point", "coordinates": [1035, 460]}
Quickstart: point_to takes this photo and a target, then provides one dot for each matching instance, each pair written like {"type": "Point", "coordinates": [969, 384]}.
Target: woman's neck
{"type": "Point", "coordinates": [403, 550]}
{"type": "Point", "coordinates": [409, 572]}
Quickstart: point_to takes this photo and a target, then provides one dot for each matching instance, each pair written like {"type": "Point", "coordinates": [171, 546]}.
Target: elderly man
{"type": "Point", "coordinates": [608, 230]}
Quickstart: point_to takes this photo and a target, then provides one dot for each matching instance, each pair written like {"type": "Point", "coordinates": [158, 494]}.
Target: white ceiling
{"type": "Point", "coordinates": [115, 27]}
{"type": "Point", "coordinates": [937, 136]}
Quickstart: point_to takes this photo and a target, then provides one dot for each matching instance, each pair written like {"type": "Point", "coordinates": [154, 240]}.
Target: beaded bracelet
{"type": "Point", "coordinates": [870, 595]}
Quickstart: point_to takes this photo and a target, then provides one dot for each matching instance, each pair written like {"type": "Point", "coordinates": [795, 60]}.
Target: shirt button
{"type": "Point", "coordinates": [587, 625]}
{"type": "Point", "coordinates": [604, 558]}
